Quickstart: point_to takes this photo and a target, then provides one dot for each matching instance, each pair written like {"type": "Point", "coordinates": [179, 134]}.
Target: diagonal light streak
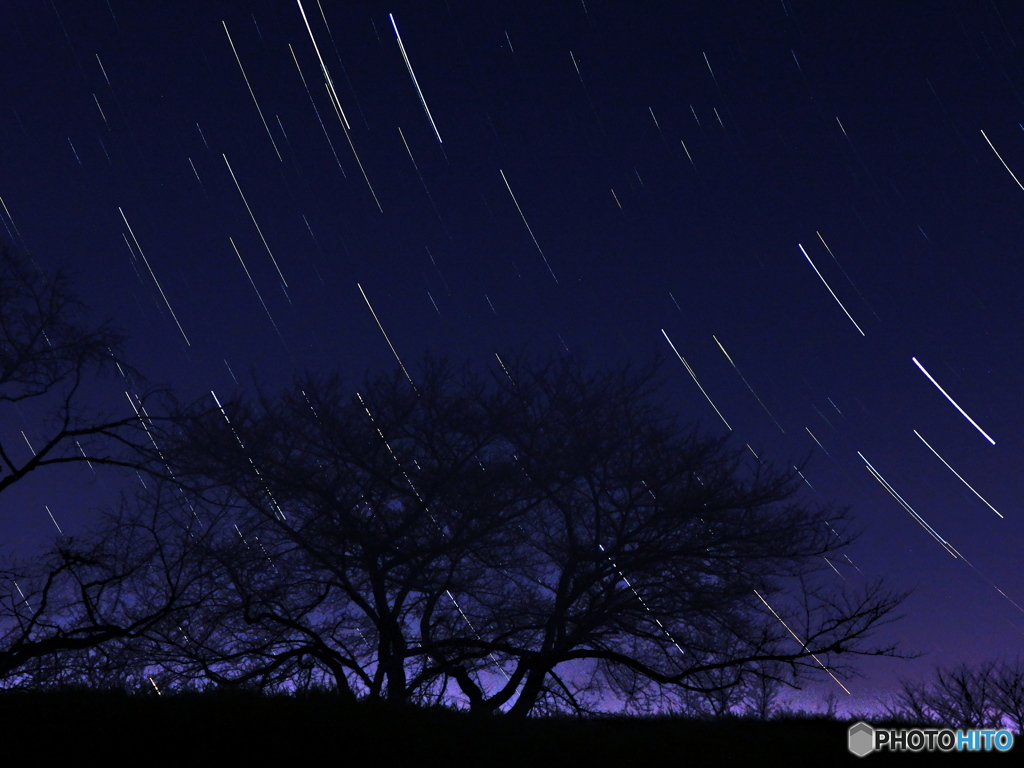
{"type": "Point", "coordinates": [830, 289]}
{"type": "Point", "coordinates": [962, 411]}
{"type": "Point", "coordinates": [958, 474]}
{"type": "Point", "coordinates": [803, 645]}
{"type": "Point", "coordinates": [913, 513]}
{"type": "Point", "coordinates": [688, 368]}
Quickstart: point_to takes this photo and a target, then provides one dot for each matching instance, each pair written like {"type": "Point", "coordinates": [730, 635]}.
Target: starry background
{"type": "Point", "coordinates": [669, 159]}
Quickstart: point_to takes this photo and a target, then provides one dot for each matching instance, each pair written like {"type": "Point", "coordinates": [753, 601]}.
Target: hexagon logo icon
{"type": "Point", "coordinates": [861, 739]}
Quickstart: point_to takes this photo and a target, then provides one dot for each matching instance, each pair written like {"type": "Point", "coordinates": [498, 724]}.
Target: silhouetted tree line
{"type": "Point", "coordinates": [540, 536]}
{"type": "Point", "coordinates": [986, 695]}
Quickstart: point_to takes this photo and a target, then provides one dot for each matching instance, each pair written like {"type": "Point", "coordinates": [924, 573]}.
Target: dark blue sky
{"type": "Point", "coordinates": [669, 159]}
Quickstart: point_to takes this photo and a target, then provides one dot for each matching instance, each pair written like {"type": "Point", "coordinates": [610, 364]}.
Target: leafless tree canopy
{"type": "Point", "coordinates": [988, 695]}
{"type": "Point", "coordinates": [83, 614]}
{"type": "Point", "coordinates": [546, 536]}
{"type": "Point", "coordinates": [74, 598]}
{"type": "Point", "coordinates": [48, 351]}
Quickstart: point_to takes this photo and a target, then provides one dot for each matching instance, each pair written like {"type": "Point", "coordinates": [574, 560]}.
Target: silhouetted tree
{"type": "Point", "coordinates": [48, 350]}
{"type": "Point", "coordinates": [763, 691]}
{"type": "Point", "coordinates": [649, 548]}
{"type": "Point", "coordinates": [538, 538]}
{"type": "Point", "coordinates": [82, 613]}
{"type": "Point", "coordinates": [986, 695]}
{"type": "Point", "coordinates": [1008, 691]}
{"type": "Point", "coordinates": [351, 529]}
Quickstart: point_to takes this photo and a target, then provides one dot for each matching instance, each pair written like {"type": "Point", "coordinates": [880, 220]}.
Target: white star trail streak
{"type": "Point", "coordinates": [502, 364]}
{"type": "Point", "coordinates": [85, 456]}
{"type": "Point", "coordinates": [24, 599]}
{"type": "Point", "coordinates": [323, 67]}
{"type": "Point", "coordinates": [528, 229]}
{"type": "Point", "coordinates": [688, 157]}
{"type": "Point", "coordinates": [95, 99]}
{"type": "Point", "coordinates": [386, 338]}
{"type": "Point", "coordinates": [656, 125]}
{"type": "Point", "coordinates": [332, 94]}
{"type": "Point", "coordinates": [102, 69]}
{"type": "Point", "coordinates": [747, 383]}
{"type": "Point", "coordinates": [823, 417]}
{"type": "Point", "coordinates": [144, 421]}
{"type": "Point", "coordinates": [949, 547]}
{"type": "Point", "coordinates": [800, 642]}
{"type": "Point", "coordinates": [643, 602]}
{"type": "Point", "coordinates": [270, 252]}
{"type": "Point", "coordinates": [957, 474]}
{"type": "Point", "coordinates": [804, 477]}
{"type": "Point", "coordinates": [710, 70]}
{"type": "Point", "coordinates": [197, 175]}
{"type": "Point", "coordinates": [352, 146]}
{"type": "Point", "coordinates": [249, 86]}
{"type": "Point", "coordinates": [415, 82]}
{"type": "Point", "coordinates": [797, 61]}
{"type": "Point", "coordinates": [834, 568]}
{"type": "Point", "coordinates": [688, 368]}
{"type": "Point", "coordinates": [1003, 162]}
{"type": "Point", "coordinates": [75, 151]}
{"type": "Point", "coordinates": [422, 181]}
{"type": "Point", "coordinates": [578, 73]}
{"type": "Point", "coordinates": [817, 441]}
{"type": "Point", "coordinates": [253, 284]}
{"type": "Point", "coordinates": [13, 225]}
{"type": "Point", "coordinates": [913, 513]}
{"type": "Point", "coordinates": [54, 520]}
{"type": "Point", "coordinates": [848, 278]}
{"type": "Point", "coordinates": [277, 507]}
{"type": "Point", "coordinates": [830, 289]}
{"type": "Point", "coordinates": [315, 110]}
{"type": "Point", "coordinates": [946, 394]}
{"type": "Point", "coordinates": [153, 275]}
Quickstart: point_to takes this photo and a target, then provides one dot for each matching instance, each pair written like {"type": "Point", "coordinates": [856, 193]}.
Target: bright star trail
{"type": "Point", "coordinates": [801, 643]}
{"type": "Point", "coordinates": [695, 380]}
{"type": "Point", "coordinates": [412, 75]}
{"type": "Point", "coordinates": [903, 503]}
{"type": "Point", "coordinates": [855, 325]}
{"type": "Point", "coordinates": [385, 334]}
{"type": "Point", "coordinates": [255, 223]}
{"type": "Point", "coordinates": [249, 86]}
{"type": "Point", "coordinates": [951, 400]}
{"type": "Point", "coordinates": [153, 275]}
{"type": "Point", "coordinates": [959, 476]}
{"type": "Point", "coordinates": [528, 227]}
{"type": "Point", "coordinates": [1002, 161]}
{"type": "Point", "coordinates": [747, 383]}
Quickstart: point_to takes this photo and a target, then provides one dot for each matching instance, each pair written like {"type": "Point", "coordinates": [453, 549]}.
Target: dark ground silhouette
{"type": "Point", "coordinates": [237, 726]}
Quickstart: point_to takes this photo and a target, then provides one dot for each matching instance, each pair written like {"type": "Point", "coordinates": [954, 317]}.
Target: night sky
{"type": "Point", "coordinates": [573, 176]}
